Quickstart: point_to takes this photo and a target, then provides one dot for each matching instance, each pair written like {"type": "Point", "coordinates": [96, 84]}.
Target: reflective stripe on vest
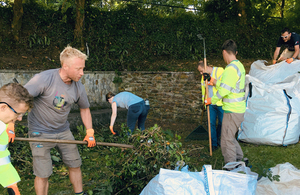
{"type": "Point", "coordinates": [3, 147]}
{"type": "Point", "coordinates": [237, 86]}
{"type": "Point", "coordinates": [225, 86]}
{"type": "Point", "coordinates": [218, 95]}
{"type": "Point", "coordinates": [217, 78]}
{"type": "Point", "coordinates": [4, 160]}
{"type": "Point", "coordinates": [234, 100]}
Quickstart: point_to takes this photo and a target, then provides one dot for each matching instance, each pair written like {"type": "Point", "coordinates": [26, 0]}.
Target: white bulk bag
{"type": "Point", "coordinates": [272, 114]}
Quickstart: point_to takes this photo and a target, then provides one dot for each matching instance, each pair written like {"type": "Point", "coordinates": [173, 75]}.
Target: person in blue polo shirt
{"type": "Point", "coordinates": [291, 41]}
{"type": "Point", "coordinates": [137, 109]}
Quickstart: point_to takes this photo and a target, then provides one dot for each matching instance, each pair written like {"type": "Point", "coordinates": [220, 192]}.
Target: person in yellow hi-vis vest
{"type": "Point", "coordinates": [231, 90]}
{"type": "Point", "coordinates": [14, 103]}
{"type": "Point", "coordinates": [215, 110]}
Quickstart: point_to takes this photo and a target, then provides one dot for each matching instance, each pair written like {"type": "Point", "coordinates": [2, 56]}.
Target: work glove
{"type": "Point", "coordinates": [90, 138]}
{"type": "Point", "coordinates": [274, 61]}
{"type": "Point", "coordinates": [11, 132]}
{"type": "Point", "coordinates": [211, 82]}
{"type": "Point", "coordinates": [206, 76]}
{"type": "Point", "coordinates": [112, 130]}
{"type": "Point", "coordinates": [207, 101]}
{"type": "Point", "coordinates": [289, 60]}
{"type": "Point", "coordinates": [13, 189]}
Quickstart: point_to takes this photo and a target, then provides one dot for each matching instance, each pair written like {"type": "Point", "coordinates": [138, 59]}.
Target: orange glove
{"type": "Point", "coordinates": [289, 60]}
{"type": "Point", "coordinates": [112, 130]}
{"type": "Point", "coordinates": [11, 132]}
{"type": "Point", "coordinates": [274, 61]}
{"type": "Point", "coordinates": [207, 101]}
{"type": "Point", "coordinates": [90, 138]}
{"type": "Point", "coordinates": [13, 189]}
{"type": "Point", "coordinates": [211, 82]}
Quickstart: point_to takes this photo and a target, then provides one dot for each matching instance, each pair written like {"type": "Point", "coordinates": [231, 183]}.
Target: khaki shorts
{"type": "Point", "coordinates": [42, 163]}
{"type": "Point", "coordinates": [288, 54]}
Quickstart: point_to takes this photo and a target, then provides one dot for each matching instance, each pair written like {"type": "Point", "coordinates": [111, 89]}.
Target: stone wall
{"type": "Point", "coordinates": [172, 95]}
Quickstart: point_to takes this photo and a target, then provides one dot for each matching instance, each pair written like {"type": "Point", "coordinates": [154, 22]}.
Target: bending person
{"type": "Point", "coordinates": [137, 109]}
{"type": "Point", "coordinates": [291, 42]}
{"type": "Point", "coordinates": [14, 103]}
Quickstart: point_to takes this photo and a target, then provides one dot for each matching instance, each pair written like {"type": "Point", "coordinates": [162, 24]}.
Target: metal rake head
{"type": "Point", "coordinates": [200, 36]}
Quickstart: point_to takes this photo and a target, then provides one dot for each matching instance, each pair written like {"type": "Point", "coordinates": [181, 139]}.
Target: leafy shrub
{"type": "Point", "coordinates": [109, 170]}
{"type": "Point", "coordinates": [132, 169]}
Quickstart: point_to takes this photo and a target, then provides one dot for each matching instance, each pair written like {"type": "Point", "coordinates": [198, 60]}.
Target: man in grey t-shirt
{"type": "Point", "coordinates": [54, 92]}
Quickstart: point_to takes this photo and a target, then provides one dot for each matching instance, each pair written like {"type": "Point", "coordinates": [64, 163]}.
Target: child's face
{"type": "Point", "coordinates": [12, 114]}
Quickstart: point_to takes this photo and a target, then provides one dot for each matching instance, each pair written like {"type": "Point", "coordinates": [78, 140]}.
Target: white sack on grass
{"type": "Point", "coordinates": [288, 184]}
{"type": "Point", "coordinates": [216, 182]}
{"type": "Point", "coordinates": [272, 117]}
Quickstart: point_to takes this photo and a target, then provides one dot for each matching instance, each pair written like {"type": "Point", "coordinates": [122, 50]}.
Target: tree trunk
{"type": "Point", "coordinates": [282, 8]}
{"type": "Point", "coordinates": [243, 15]}
{"type": "Point", "coordinates": [17, 20]}
{"type": "Point", "coordinates": [79, 26]}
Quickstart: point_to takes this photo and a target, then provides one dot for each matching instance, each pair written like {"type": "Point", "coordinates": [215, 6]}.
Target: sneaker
{"type": "Point", "coordinates": [246, 160]}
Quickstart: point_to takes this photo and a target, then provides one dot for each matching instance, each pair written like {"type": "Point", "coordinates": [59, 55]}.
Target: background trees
{"type": "Point", "coordinates": [127, 34]}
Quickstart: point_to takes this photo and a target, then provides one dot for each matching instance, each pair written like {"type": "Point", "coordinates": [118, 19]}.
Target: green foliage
{"type": "Point", "coordinates": [117, 79]}
{"type": "Point", "coordinates": [124, 36]}
{"type": "Point", "coordinates": [107, 170]}
{"type": "Point", "coordinates": [265, 171]}
{"type": "Point", "coordinates": [132, 169]}
{"type": "Point", "coordinates": [36, 41]}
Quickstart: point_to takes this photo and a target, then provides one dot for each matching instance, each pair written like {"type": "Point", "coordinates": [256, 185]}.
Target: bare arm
{"type": "Point", "coordinates": [295, 56]}
{"type": "Point", "coordinates": [86, 118]}
{"type": "Point", "coordinates": [114, 113]}
{"type": "Point", "coordinates": [276, 53]}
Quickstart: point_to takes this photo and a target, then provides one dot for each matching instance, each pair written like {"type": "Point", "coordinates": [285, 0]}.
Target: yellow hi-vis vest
{"type": "Point", "coordinates": [231, 88]}
{"type": "Point", "coordinates": [8, 174]}
{"type": "Point", "coordinates": [4, 153]}
{"type": "Point", "coordinates": [216, 74]}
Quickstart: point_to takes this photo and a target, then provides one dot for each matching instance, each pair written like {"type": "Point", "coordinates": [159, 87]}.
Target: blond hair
{"type": "Point", "coordinates": [70, 52]}
{"type": "Point", "coordinates": [14, 93]}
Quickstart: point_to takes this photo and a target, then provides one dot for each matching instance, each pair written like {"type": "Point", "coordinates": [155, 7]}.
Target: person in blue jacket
{"type": "Point", "coordinates": [136, 106]}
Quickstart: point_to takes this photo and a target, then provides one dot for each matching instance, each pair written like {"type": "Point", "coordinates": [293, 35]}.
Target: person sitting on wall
{"type": "Point", "coordinates": [136, 106]}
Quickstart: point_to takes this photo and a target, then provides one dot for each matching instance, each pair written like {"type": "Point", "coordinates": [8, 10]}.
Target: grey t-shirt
{"type": "Point", "coordinates": [52, 101]}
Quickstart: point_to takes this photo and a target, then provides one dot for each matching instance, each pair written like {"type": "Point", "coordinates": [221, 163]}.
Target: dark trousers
{"type": "Point", "coordinates": [137, 112]}
{"type": "Point", "coordinates": [215, 112]}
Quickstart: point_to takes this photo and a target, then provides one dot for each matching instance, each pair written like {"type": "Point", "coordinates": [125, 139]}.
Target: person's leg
{"type": "Point", "coordinates": [133, 114]}
{"type": "Point", "coordinates": [213, 120]}
{"type": "Point", "coordinates": [238, 119]}
{"type": "Point", "coordinates": [76, 179]}
{"type": "Point", "coordinates": [286, 54]}
{"type": "Point", "coordinates": [143, 116]}
{"type": "Point", "coordinates": [229, 145]}
{"type": "Point", "coordinates": [41, 185]}
{"type": "Point", "coordinates": [220, 113]}
{"type": "Point", "coordinates": [71, 158]}
{"type": "Point", "coordinates": [42, 163]}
